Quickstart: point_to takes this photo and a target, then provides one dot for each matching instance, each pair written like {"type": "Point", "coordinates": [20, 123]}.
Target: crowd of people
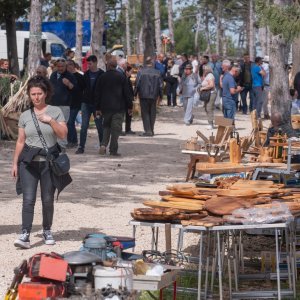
{"type": "Point", "coordinates": [241, 85]}
{"type": "Point", "coordinates": [60, 92]}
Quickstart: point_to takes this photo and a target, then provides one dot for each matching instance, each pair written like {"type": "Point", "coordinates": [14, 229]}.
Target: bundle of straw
{"type": "Point", "coordinates": [17, 102]}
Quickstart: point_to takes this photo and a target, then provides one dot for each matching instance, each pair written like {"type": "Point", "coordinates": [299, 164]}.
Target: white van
{"type": "Point", "coordinates": [50, 43]}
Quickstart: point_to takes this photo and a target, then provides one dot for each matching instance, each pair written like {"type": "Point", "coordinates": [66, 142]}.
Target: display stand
{"type": "Point", "coordinates": [213, 257]}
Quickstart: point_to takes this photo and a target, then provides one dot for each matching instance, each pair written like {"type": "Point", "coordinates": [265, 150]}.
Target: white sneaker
{"type": "Point", "coordinates": [102, 150]}
{"type": "Point", "coordinates": [48, 237]}
{"type": "Point", "coordinates": [23, 240]}
{"type": "Point", "coordinates": [210, 127]}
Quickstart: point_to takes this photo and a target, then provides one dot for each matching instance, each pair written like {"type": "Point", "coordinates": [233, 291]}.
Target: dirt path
{"type": "Point", "coordinates": [104, 189]}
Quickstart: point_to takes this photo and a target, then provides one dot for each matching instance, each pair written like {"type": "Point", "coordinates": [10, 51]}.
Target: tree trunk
{"type": "Point", "coordinates": [171, 23]}
{"type": "Point", "coordinates": [296, 57]}
{"type": "Point", "coordinates": [92, 14]}
{"type": "Point", "coordinates": [157, 26]}
{"type": "Point", "coordinates": [97, 33]}
{"type": "Point", "coordinates": [140, 41]}
{"type": "Point", "coordinates": [208, 48]}
{"type": "Point", "coordinates": [11, 40]}
{"type": "Point", "coordinates": [79, 19]}
{"type": "Point", "coordinates": [147, 29]}
{"type": "Point", "coordinates": [218, 24]}
{"type": "Point", "coordinates": [63, 7]}
{"type": "Point", "coordinates": [279, 52]}
{"type": "Point", "coordinates": [196, 42]}
{"type": "Point", "coordinates": [224, 44]}
{"type": "Point", "coordinates": [86, 10]}
{"type": "Point", "coordinates": [35, 37]}
{"type": "Point", "coordinates": [128, 38]}
{"type": "Point", "coordinates": [135, 27]}
{"type": "Point", "coordinates": [251, 30]}
{"type": "Point", "coordinates": [263, 39]}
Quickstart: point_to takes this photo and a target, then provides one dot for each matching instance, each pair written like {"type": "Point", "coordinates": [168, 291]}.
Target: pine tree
{"type": "Point", "coordinates": [35, 38]}
{"type": "Point", "coordinates": [79, 35]}
{"type": "Point", "coordinates": [282, 17]}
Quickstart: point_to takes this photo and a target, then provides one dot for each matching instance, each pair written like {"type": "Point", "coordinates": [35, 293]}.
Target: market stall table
{"type": "Point", "coordinates": [226, 167]}
{"type": "Point", "coordinates": [214, 233]}
{"type": "Point", "coordinates": [195, 157]}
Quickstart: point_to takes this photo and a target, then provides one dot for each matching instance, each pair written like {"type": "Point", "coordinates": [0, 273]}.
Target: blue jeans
{"type": "Point", "coordinates": [72, 133]}
{"type": "Point", "coordinates": [87, 110]}
{"type": "Point", "coordinates": [258, 100]}
{"type": "Point", "coordinates": [229, 109]}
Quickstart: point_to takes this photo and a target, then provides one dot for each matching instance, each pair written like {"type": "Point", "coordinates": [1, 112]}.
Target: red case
{"type": "Point", "coordinates": [48, 267]}
{"type": "Point", "coordinates": [39, 291]}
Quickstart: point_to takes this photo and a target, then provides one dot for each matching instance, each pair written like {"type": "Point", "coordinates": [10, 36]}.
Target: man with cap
{"type": "Point", "coordinates": [266, 90]}
{"type": "Point", "coordinates": [149, 89]}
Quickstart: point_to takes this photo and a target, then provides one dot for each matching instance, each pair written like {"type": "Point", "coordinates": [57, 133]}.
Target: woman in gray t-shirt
{"type": "Point", "coordinates": [29, 162]}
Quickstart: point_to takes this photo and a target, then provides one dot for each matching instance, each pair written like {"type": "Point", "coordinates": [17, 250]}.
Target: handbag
{"type": "Point", "coordinates": [205, 96]}
{"type": "Point", "coordinates": [59, 165]}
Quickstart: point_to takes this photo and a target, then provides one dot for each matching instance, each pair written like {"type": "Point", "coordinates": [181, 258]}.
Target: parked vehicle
{"type": "Point", "coordinates": [50, 43]}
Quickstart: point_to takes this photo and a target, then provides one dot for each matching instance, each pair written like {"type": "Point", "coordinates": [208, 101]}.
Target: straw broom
{"type": "Point", "coordinates": [18, 102]}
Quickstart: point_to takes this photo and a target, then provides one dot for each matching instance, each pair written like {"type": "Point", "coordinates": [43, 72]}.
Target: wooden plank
{"type": "Point", "coordinates": [203, 137]}
{"type": "Point", "coordinates": [168, 237]}
{"type": "Point", "coordinates": [221, 121]}
{"type": "Point", "coordinates": [181, 207]}
{"type": "Point", "coordinates": [184, 200]}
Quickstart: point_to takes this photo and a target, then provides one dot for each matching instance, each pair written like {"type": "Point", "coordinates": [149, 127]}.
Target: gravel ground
{"type": "Point", "coordinates": [104, 189]}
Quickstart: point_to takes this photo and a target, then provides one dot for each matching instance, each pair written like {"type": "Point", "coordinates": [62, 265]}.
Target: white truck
{"type": "Point", "coordinates": [50, 43]}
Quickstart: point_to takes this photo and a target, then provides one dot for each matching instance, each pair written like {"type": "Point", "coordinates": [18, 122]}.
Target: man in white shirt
{"type": "Point", "coordinates": [266, 90]}
{"type": "Point", "coordinates": [195, 64]}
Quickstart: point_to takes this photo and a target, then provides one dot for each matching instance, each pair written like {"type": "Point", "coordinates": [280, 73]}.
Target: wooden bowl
{"type": "Point", "coordinates": [237, 193]}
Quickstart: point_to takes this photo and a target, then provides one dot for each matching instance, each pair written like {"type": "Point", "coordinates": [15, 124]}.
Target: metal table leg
{"type": "Point", "coordinates": [153, 238]}
{"type": "Point", "coordinates": [200, 266]}
{"type": "Point", "coordinates": [219, 265]}
{"type": "Point", "coordinates": [133, 234]}
{"type": "Point", "coordinates": [277, 265]}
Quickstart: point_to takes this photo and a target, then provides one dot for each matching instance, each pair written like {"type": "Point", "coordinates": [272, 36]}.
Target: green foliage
{"type": "Point", "coordinates": [184, 32]}
{"type": "Point", "coordinates": [282, 20]}
{"type": "Point", "coordinates": [16, 8]}
{"type": "Point", "coordinates": [59, 10]}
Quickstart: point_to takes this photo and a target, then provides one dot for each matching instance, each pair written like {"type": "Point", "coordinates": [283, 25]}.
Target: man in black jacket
{"type": "Point", "coordinates": [88, 104]}
{"type": "Point", "coordinates": [112, 98]}
{"type": "Point", "coordinates": [77, 94]}
{"type": "Point", "coordinates": [245, 81]}
{"type": "Point", "coordinates": [149, 88]}
{"type": "Point", "coordinates": [63, 84]}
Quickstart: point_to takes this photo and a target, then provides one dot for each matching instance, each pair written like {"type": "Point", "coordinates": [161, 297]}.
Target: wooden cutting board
{"type": "Point", "coordinates": [258, 183]}
{"type": "Point", "coordinates": [208, 221]}
{"type": "Point", "coordinates": [196, 197]}
{"type": "Point", "coordinates": [180, 186]}
{"type": "Point", "coordinates": [180, 206]}
{"type": "Point", "coordinates": [237, 193]}
{"type": "Point", "coordinates": [187, 200]}
{"type": "Point", "coordinates": [155, 214]}
{"type": "Point", "coordinates": [225, 205]}
{"type": "Point", "coordinates": [192, 216]}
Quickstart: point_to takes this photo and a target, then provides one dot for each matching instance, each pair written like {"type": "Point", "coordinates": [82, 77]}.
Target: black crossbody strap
{"type": "Point", "coordinates": [38, 129]}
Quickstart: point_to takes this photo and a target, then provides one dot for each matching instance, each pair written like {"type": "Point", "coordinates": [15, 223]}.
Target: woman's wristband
{"type": "Point", "coordinates": [51, 121]}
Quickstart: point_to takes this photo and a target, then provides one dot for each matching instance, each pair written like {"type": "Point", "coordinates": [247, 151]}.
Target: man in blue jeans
{"type": "Point", "coordinates": [258, 74]}
{"type": "Point", "coordinates": [229, 89]}
{"type": "Point", "coordinates": [88, 104]}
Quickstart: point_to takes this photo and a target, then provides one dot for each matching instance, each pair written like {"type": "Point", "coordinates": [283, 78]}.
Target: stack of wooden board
{"type": "Point", "coordinates": [192, 205]}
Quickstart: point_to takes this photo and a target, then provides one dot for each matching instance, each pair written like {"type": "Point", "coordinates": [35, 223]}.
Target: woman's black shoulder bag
{"type": "Point", "coordinates": [59, 165]}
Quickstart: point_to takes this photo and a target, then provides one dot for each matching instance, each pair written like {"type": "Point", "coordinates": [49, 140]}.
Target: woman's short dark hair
{"type": "Point", "coordinates": [43, 83]}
